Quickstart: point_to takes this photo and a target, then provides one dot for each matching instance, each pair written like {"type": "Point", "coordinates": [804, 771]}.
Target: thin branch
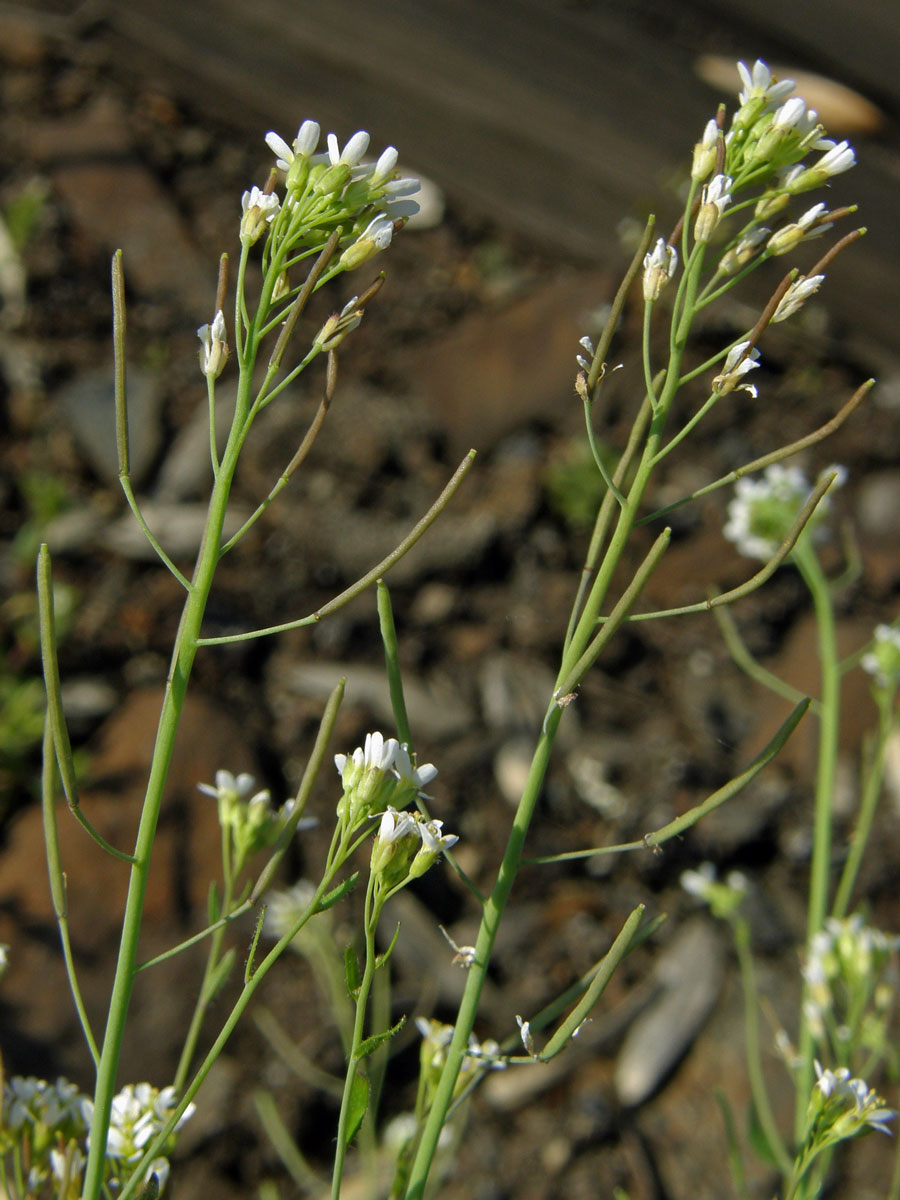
{"type": "Point", "coordinates": [370, 577]}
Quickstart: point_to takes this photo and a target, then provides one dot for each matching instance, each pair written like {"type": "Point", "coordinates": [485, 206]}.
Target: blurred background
{"type": "Point", "coordinates": [547, 131]}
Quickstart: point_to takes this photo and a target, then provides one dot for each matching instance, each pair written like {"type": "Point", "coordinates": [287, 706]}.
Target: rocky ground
{"type": "Point", "coordinates": [471, 342]}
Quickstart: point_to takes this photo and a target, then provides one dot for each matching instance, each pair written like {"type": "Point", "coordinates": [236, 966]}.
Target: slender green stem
{"type": "Point", "coordinates": [372, 911]}
{"type": "Point", "coordinates": [826, 767]}
{"type": "Point", "coordinates": [758, 1090]}
{"type": "Point", "coordinates": [874, 777]}
{"type": "Point", "coordinates": [493, 911]}
{"type": "Point", "coordinates": [370, 577]}
{"type": "Point", "coordinates": [184, 652]}
{"type": "Point", "coordinates": [58, 883]}
{"type": "Point", "coordinates": [207, 990]}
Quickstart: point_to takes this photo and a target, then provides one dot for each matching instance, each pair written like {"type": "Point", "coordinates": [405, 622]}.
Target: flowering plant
{"type": "Point", "coordinates": [319, 215]}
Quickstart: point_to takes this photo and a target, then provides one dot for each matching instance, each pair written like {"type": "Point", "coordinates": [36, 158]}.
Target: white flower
{"type": "Point", "coordinates": [304, 145]}
{"type": "Point", "coordinates": [740, 359]}
{"type": "Point", "coordinates": [352, 153]}
{"type": "Point", "coordinates": [395, 825]}
{"type": "Point", "coordinates": [260, 209]}
{"type": "Point", "coordinates": [659, 267]}
{"type": "Point", "coordinates": [284, 908]}
{"type": "Point", "coordinates": [384, 168]}
{"type": "Point", "coordinates": [214, 350]}
{"type": "Point", "coordinates": [764, 509]}
{"type": "Point", "coordinates": [758, 85]}
{"type": "Point", "coordinates": [375, 237]}
{"type": "Point", "coordinates": [715, 199]}
{"type": "Point", "coordinates": [586, 344]}
{"type": "Point", "coordinates": [811, 224]}
{"type": "Point", "coordinates": [376, 754]}
{"type": "Point", "coordinates": [883, 660]}
{"type": "Point", "coordinates": [417, 778]}
{"type": "Point", "coordinates": [704, 156]}
{"type": "Point", "coordinates": [433, 840]}
{"type": "Point", "coordinates": [834, 161]}
{"type": "Point", "coordinates": [838, 159]}
{"type": "Point", "coordinates": [697, 883]}
{"type": "Point", "coordinates": [525, 1034]}
{"type": "Point", "coordinates": [796, 296]}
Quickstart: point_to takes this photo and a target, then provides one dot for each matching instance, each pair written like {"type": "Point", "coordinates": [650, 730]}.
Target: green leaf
{"type": "Point", "coordinates": [356, 1109]}
{"type": "Point", "coordinates": [338, 893]}
{"type": "Point", "coordinates": [351, 972]}
{"type": "Point", "coordinates": [370, 1044]}
{"type": "Point", "coordinates": [384, 958]}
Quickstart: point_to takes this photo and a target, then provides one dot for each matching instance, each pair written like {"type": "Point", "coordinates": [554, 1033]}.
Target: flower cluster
{"type": "Point", "coordinates": [328, 189]}
{"type": "Point", "coordinates": [46, 1126]}
{"type": "Point", "coordinates": [842, 1107]}
{"type": "Point", "coordinates": [378, 774]}
{"type": "Point", "coordinates": [883, 660]}
{"type": "Point", "coordinates": [764, 152]}
{"type": "Point", "coordinates": [436, 1038]}
{"type": "Point", "coordinates": [850, 975]}
{"type": "Point", "coordinates": [763, 510]}
{"type": "Point", "coordinates": [247, 816]}
{"type": "Point", "coordinates": [405, 847]}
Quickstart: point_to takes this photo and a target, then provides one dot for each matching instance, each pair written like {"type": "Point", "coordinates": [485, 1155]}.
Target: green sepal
{"type": "Point", "coordinates": [337, 893]}
{"type": "Point", "coordinates": [351, 973]}
{"type": "Point", "coordinates": [370, 1044]}
{"type": "Point", "coordinates": [356, 1109]}
{"type": "Point", "coordinates": [383, 959]}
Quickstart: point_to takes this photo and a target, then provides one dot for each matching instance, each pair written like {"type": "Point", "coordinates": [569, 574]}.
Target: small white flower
{"type": "Point", "coordinates": [811, 224]}
{"type": "Point", "coordinates": [758, 84]}
{"type": "Point", "coordinates": [715, 199]}
{"type": "Point", "coordinates": [352, 153]}
{"type": "Point", "coordinates": [304, 145]}
{"type": "Point", "coordinates": [375, 237]}
{"type": "Point", "coordinates": [740, 359]}
{"type": "Point", "coordinates": [433, 840]}
{"type": "Point", "coordinates": [384, 167]}
{"type": "Point", "coordinates": [260, 209]}
{"type": "Point", "coordinates": [659, 267]}
{"type": "Point", "coordinates": [214, 349]}
{"type": "Point", "coordinates": [525, 1034]}
{"type": "Point", "coordinates": [796, 296]}
{"type": "Point", "coordinates": [417, 778]}
{"type": "Point", "coordinates": [883, 660]}
{"type": "Point", "coordinates": [697, 883]}
{"type": "Point", "coordinates": [395, 825]}
{"type": "Point", "coordinates": [585, 363]}
{"type": "Point", "coordinates": [705, 151]}
{"type": "Point", "coordinates": [838, 159]}
{"type": "Point", "coordinates": [835, 160]}
{"type": "Point", "coordinates": [284, 908]}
